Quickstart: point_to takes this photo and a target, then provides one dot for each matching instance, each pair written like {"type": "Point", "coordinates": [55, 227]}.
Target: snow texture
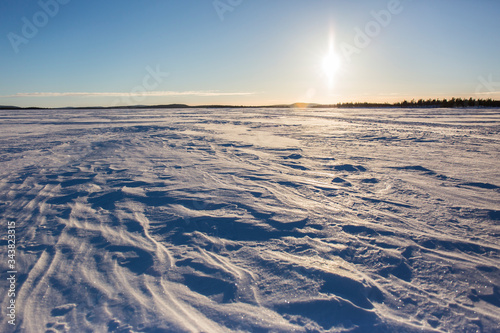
{"type": "Point", "coordinates": [252, 220]}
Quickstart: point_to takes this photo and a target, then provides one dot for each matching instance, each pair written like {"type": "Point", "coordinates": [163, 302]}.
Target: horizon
{"type": "Point", "coordinates": [402, 103]}
{"type": "Point", "coordinates": [430, 102]}
{"type": "Point", "coordinates": [62, 53]}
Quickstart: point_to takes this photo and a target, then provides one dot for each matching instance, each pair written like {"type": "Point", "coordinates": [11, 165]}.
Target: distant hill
{"type": "Point", "coordinates": [9, 107]}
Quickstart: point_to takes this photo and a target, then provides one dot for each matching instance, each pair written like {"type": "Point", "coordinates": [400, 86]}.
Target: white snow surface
{"type": "Point", "coordinates": [252, 220]}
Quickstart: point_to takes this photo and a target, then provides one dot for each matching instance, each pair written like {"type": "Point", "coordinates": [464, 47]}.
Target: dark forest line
{"type": "Point", "coordinates": [429, 103]}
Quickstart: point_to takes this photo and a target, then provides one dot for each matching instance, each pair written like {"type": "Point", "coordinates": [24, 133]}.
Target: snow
{"type": "Point", "coordinates": [252, 220]}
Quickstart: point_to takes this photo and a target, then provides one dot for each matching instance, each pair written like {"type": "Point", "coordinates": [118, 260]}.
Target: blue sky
{"type": "Point", "coordinates": [56, 53]}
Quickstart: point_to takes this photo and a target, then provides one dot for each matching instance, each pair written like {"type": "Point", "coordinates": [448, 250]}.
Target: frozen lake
{"type": "Point", "coordinates": [252, 220]}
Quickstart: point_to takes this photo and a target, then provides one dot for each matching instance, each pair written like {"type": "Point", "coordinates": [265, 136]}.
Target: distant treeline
{"type": "Point", "coordinates": [429, 103]}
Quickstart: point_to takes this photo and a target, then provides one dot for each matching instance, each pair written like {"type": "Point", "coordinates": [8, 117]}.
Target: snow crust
{"type": "Point", "coordinates": [252, 220]}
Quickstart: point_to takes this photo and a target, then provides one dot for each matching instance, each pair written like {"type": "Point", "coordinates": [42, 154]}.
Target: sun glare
{"type": "Point", "coordinates": [331, 65]}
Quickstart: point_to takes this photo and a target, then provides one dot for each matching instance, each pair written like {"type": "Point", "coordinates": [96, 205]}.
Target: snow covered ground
{"type": "Point", "coordinates": [252, 220]}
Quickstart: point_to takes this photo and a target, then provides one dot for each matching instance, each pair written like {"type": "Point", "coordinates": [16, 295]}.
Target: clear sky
{"type": "Point", "coordinates": [57, 53]}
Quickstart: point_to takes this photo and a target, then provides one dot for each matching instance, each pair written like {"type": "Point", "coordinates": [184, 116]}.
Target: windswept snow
{"type": "Point", "coordinates": [252, 220]}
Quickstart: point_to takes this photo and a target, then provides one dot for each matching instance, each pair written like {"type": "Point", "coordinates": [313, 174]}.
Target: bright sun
{"type": "Point", "coordinates": [331, 65]}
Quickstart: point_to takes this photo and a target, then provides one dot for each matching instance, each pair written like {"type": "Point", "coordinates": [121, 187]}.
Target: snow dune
{"type": "Point", "coordinates": [253, 220]}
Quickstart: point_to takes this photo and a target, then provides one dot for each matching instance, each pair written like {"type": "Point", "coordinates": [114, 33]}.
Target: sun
{"type": "Point", "coordinates": [331, 65]}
